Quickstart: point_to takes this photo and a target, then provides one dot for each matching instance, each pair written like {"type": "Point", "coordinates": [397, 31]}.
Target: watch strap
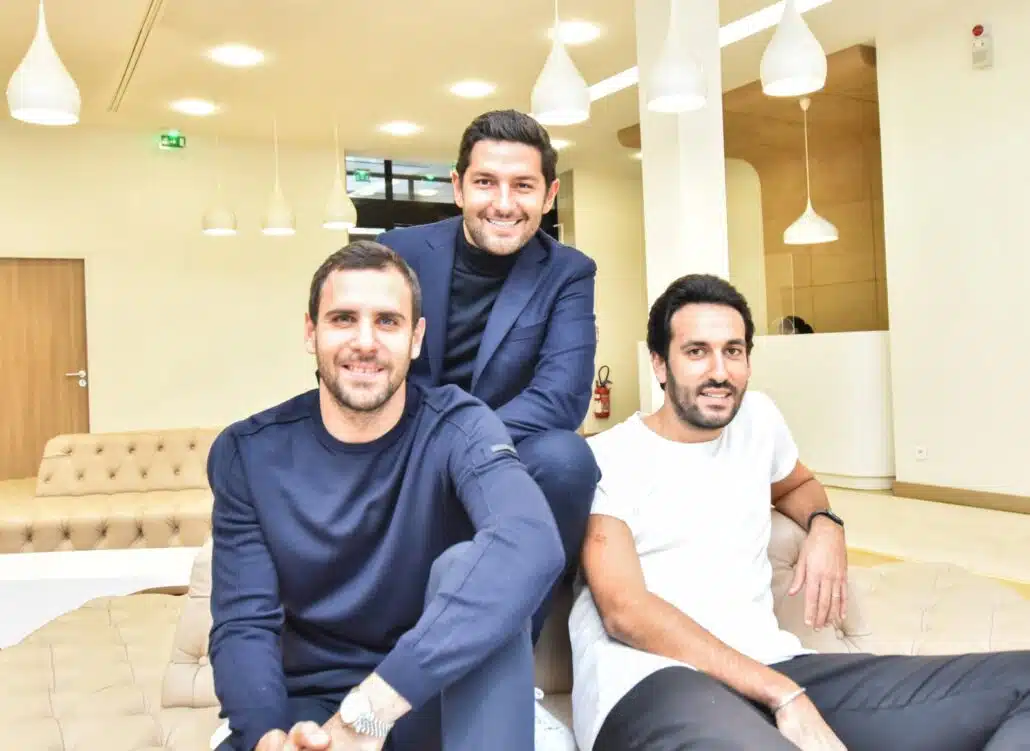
{"type": "Point", "coordinates": [369, 724]}
{"type": "Point", "coordinates": [828, 514]}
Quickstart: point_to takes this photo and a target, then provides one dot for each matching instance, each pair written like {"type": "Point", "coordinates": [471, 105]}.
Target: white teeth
{"type": "Point", "coordinates": [501, 224]}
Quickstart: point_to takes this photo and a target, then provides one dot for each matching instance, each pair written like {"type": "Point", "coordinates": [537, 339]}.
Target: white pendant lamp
{"type": "Point", "coordinates": [340, 213]}
{"type": "Point", "coordinates": [561, 95]}
{"type": "Point", "coordinates": [809, 228]}
{"type": "Point", "coordinates": [219, 220]}
{"type": "Point", "coordinates": [677, 82]}
{"type": "Point", "coordinates": [794, 63]}
{"type": "Point", "coordinates": [42, 91]}
{"type": "Point", "coordinates": [279, 221]}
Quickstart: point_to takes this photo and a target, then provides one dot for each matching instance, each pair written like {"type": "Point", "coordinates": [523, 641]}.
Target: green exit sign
{"type": "Point", "coordinates": [172, 139]}
{"type": "Point", "coordinates": [362, 176]}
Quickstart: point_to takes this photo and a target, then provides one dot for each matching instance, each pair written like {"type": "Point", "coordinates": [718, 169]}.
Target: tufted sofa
{"type": "Point", "coordinates": [97, 491]}
{"type": "Point", "coordinates": [132, 673]}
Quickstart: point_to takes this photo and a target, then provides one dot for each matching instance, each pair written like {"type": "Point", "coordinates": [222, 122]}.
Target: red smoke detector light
{"type": "Point", "coordinates": [978, 30]}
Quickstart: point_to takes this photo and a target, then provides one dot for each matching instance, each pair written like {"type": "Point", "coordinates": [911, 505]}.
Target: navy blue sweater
{"type": "Point", "coordinates": [322, 550]}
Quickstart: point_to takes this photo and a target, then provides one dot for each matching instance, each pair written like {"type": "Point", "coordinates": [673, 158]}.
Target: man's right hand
{"type": "Point", "coordinates": [304, 736]}
{"type": "Point", "coordinates": [801, 724]}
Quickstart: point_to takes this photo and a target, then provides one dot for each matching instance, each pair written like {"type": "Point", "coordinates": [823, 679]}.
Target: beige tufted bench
{"type": "Point", "coordinates": [132, 673]}
{"type": "Point", "coordinates": [99, 491]}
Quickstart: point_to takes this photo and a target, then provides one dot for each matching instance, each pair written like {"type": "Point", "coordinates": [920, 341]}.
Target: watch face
{"type": "Point", "coordinates": [353, 706]}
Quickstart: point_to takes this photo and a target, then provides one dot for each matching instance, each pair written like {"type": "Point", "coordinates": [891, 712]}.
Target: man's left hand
{"type": "Point", "coordinates": [823, 570]}
{"type": "Point", "coordinates": [345, 739]}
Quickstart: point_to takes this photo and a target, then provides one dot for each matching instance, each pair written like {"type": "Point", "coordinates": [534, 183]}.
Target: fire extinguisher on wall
{"type": "Point", "coordinates": [603, 394]}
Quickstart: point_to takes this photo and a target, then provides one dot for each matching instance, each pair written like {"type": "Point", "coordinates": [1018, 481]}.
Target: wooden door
{"type": "Point", "coordinates": [42, 339]}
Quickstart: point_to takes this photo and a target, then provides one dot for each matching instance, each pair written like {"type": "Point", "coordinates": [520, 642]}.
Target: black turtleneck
{"type": "Point", "coordinates": [475, 283]}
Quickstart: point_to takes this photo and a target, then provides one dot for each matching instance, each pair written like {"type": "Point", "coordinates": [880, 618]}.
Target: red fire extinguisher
{"type": "Point", "coordinates": [603, 394]}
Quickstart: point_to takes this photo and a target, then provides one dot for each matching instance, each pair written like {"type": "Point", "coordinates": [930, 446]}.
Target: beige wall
{"type": "Point", "coordinates": [608, 218]}
{"type": "Point", "coordinates": [955, 159]}
{"type": "Point", "coordinates": [183, 330]}
{"type": "Point", "coordinates": [839, 286]}
{"type": "Point", "coordinates": [746, 238]}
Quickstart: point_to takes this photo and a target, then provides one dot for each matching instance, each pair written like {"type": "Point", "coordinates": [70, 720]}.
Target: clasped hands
{"type": "Point", "coordinates": [310, 736]}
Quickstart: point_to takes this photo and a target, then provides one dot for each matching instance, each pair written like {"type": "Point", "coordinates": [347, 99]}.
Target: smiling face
{"type": "Point", "coordinates": [364, 338]}
{"type": "Point", "coordinates": [707, 369]}
{"type": "Point", "coordinates": [503, 195]}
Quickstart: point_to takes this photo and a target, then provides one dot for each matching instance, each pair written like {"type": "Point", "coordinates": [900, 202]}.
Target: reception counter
{"type": "Point", "coordinates": [834, 390]}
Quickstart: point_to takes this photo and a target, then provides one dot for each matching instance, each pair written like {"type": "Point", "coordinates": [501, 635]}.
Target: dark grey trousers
{"type": "Point", "coordinates": [971, 702]}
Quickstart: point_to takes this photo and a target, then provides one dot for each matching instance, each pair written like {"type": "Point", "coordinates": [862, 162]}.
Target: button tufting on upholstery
{"type": "Point", "coordinates": [132, 448]}
{"type": "Point", "coordinates": [175, 470]}
{"type": "Point", "coordinates": [67, 450]}
{"type": "Point", "coordinates": [46, 478]}
{"type": "Point", "coordinates": [28, 536]}
{"type": "Point", "coordinates": [66, 533]}
{"type": "Point", "coordinates": [112, 474]}
{"type": "Point", "coordinates": [160, 447]}
{"type": "Point", "coordinates": [100, 449]}
{"type": "Point", "coordinates": [175, 526]}
{"type": "Point", "coordinates": [103, 530]}
{"type": "Point", "coordinates": [79, 475]}
{"type": "Point", "coordinates": [192, 445]}
{"type": "Point", "coordinates": [143, 474]}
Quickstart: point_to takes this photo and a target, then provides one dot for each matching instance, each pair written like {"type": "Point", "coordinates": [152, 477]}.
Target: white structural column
{"type": "Point", "coordinates": [684, 163]}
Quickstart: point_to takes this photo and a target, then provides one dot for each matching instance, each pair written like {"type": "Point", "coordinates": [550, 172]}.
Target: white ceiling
{"type": "Point", "coordinates": [368, 63]}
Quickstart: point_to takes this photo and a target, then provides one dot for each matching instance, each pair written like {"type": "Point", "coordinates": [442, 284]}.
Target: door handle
{"type": "Point", "coordinates": [77, 374]}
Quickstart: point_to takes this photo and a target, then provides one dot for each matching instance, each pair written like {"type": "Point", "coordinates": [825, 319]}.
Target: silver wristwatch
{"type": "Point", "coordinates": [356, 713]}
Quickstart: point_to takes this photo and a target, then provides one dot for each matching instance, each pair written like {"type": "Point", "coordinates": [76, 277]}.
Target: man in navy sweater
{"type": "Point", "coordinates": [378, 546]}
{"type": "Point", "coordinates": [510, 311]}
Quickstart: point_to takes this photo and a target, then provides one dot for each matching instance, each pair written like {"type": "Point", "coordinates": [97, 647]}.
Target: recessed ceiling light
{"type": "Point", "coordinates": [473, 89]}
{"type": "Point", "coordinates": [196, 107]}
{"type": "Point", "coordinates": [400, 128]}
{"type": "Point", "coordinates": [560, 143]}
{"type": "Point", "coordinates": [237, 55]}
{"type": "Point", "coordinates": [573, 33]}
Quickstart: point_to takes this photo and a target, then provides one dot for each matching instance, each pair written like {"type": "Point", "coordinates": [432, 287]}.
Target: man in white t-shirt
{"type": "Point", "coordinates": [675, 642]}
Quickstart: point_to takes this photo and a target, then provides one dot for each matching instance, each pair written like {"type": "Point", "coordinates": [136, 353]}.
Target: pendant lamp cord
{"type": "Point", "coordinates": [808, 177]}
{"type": "Point", "coordinates": [336, 142]}
{"type": "Point", "coordinates": [275, 141]}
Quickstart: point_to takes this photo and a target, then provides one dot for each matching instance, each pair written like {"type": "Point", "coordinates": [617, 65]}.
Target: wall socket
{"type": "Point", "coordinates": [920, 453]}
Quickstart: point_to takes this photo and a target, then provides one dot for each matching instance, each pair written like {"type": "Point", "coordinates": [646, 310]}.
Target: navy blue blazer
{"type": "Point", "coordinates": [535, 365]}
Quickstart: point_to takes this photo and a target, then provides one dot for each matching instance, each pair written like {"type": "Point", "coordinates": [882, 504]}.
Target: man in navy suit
{"type": "Point", "coordinates": [510, 312]}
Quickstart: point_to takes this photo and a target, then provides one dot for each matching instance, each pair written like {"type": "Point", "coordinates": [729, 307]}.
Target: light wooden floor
{"type": "Point", "coordinates": [883, 527]}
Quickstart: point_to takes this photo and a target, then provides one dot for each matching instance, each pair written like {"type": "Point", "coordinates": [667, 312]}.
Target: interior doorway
{"type": "Point", "coordinates": [44, 376]}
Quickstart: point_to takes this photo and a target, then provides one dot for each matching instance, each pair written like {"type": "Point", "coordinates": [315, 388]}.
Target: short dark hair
{"type": "Point", "coordinates": [509, 125]}
{"type": "Point", "coordinates": [694, 289]}
{"type": "Point", "coordinates": [364, 254]}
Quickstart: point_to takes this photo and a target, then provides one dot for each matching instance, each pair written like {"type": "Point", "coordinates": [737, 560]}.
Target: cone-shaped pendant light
{"type": "Point", "coordinates": [677, 82]}
{"type": "Point", "coordinates": [809, 228]}
{"type": "Point", "coordinates": [279, 220]}
{"type": "Point", "coordinates": [219, 220]}
{"type": "Point", "coordinates": [794, 63]}
{"type": "Point", "coordinates": [340, 213]}
{"type": "Point", "coordinates": [42, 91]}
{"type": "Point", "coordinates": [561, 95]}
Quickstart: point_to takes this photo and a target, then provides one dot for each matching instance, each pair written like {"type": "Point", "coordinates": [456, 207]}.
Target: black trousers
{"type": "Point", "coordinates": [971, 702]}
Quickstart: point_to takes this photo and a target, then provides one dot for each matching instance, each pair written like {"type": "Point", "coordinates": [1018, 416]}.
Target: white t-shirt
{"type": "Point", "coordinates": [700, 514]}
